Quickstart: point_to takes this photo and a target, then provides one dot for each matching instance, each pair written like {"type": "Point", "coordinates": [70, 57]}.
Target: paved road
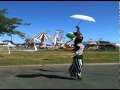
{"type": "Point", "coordinates": [105, 76]}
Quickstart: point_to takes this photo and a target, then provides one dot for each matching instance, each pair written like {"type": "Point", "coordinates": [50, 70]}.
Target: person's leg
{"type": "Point", "coordinates": [79, 67]}
{"type": "Point", "coordinates": [72, 68]}
{"type": "Point", "coordinates": [80, 60]}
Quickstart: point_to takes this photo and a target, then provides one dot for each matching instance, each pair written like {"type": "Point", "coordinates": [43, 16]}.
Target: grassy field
{"type": "Point", "coordinates": [42, 57]}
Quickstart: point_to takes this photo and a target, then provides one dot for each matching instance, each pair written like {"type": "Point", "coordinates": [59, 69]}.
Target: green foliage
{"type": "Point", "coordinates": [8, 25]}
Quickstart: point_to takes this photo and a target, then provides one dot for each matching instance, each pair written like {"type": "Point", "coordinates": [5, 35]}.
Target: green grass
{"type": "Point", "coordinates": [101, 57]}
{"type": "Point", "coordinates": [55, 57]}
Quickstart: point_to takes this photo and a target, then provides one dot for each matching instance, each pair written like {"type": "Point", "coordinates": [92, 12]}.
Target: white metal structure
{"type": "Point", "coordinates": [43, 37]}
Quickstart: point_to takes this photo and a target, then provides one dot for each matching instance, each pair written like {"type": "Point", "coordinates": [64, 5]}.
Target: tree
{"type": "Point", "coordinates": [8, 25]}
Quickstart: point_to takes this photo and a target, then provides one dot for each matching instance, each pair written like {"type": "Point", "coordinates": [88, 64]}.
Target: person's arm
{"type": "Point", "coordinates": [71, 40]}
{"type": "Point", "coordinates": [78, 29]}
{"type": "Point", "coordinates": [79, 33]}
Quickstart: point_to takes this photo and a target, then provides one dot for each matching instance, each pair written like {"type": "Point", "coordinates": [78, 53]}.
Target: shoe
{"type": "Point", "coordinates": [79, 76]}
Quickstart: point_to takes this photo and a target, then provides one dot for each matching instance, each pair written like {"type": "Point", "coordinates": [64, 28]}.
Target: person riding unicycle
{"type": "Point", "coordinates": [76, 66]}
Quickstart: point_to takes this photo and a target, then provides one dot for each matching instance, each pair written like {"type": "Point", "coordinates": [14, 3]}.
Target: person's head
{"type": "Point", "coordinates": [75, 33]}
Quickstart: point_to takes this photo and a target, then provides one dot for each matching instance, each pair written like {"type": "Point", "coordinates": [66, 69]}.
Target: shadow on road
{"type": "Point", "coordinates": [43, 75]}
{"type": "Point", "coordinates": [44, 70]}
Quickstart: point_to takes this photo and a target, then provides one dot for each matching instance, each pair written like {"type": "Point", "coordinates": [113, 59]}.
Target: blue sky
{"type": "Point", "coordinates": [54, 15]}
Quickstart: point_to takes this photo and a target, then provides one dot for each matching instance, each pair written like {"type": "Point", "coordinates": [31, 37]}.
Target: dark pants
{"type": "Point", "coordinates": [76, 67]}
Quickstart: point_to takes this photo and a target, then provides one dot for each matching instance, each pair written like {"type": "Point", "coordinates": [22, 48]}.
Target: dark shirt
{"type": "Point", "coordinates": [77, 40]}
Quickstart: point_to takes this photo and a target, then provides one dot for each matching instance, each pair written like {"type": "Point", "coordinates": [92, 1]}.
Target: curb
{"type": "Point", "coordinates": [61, 64]}
{"type": "Point", "coordinates": [84, 64]}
